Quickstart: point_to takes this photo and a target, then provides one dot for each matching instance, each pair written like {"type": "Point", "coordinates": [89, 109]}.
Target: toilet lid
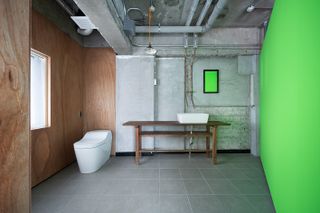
{"type": "Point", "coordinates": [87, 144]}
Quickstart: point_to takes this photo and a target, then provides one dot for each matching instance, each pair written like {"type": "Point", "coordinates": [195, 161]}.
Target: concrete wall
{"type": "Point", "coordinates": [169, 98]}
{"type": "Point", "coordinates": [134, 98]}
{"type": "Point", "coordinates": [179, 71]}
{"type": "Point", "coordinates": [233, 89]}
{"type": "Point", "coordinates": [138, 99]}
{"type": "Point", "coordinates": [231, 104]}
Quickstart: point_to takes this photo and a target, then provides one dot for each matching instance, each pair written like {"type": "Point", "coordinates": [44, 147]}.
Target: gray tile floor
{"type": "Point", "coordinates": [162, 183]}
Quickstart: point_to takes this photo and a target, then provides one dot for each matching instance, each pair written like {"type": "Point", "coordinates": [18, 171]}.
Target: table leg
{"type": "Point", "coordinates": [138, 142]}
{"type": "Point", "coordinates": [214, 145]}
{"type": "Point", "coordinates": [208, 142]}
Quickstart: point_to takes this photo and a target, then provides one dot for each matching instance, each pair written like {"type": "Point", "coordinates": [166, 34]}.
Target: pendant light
{"type": "Point", "coordinates": [150, 50]}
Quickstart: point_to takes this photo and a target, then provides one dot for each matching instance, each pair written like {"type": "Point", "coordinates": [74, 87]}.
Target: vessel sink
{"type": "Point", "coordinates": [192, 118]}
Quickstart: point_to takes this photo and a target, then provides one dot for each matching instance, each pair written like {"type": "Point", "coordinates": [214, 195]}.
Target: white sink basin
{"type": "Point", "coordinates": [192, 118]}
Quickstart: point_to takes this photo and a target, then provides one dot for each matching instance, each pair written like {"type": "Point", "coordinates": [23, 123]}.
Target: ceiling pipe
{"type": "Point", "coordinates": [169, 29]}
{"type": "Point", "coordinates": [189, 20]}
{"type": "Point", "coordinates": [204, 12]}
{"type": "Point", "coordinates": [192, 12]}
{"type": "Point", "coordinates": [215, 13]}
{"type": "Point", "coordinates": [186, 29]}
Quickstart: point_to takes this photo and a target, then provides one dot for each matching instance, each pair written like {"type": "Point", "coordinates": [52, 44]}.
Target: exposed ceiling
{"type": "Point", "coordinates": [108, 16]}
{"type": "Point", "coordinates": [175, 12]}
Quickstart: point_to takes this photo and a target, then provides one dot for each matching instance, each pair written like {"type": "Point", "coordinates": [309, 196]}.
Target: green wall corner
{"type": "Point", "coordinates": [290, 106]}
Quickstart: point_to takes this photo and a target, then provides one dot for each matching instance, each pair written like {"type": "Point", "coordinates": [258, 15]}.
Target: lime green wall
{"type": "Point", "coordinates": [290, 106]}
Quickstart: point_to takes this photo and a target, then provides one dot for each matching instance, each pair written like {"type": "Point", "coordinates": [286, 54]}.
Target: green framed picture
{"type": "Point", "coordinates": [210, 81]}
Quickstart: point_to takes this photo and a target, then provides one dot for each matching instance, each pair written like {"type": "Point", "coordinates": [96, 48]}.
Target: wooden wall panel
{"type": "Point", "coordinates": [99, 92]}
{"type": "Point", "coordinates": [14, 106]}
{"type": "Point", "coordinates": [52, 148]}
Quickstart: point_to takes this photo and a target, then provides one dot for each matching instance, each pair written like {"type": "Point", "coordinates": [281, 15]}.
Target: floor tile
{"type": "Point", "coordinates": [190, 174]}
{"type": "Point", "coordinates": [211, 173]}
{"type": "Point", "coordinates": [253, 173]}
{"type": "Point", "coordinates": [172, 187]}
{"type": "Point", "coordinates": [131, 187]}
{"type": "Point", "coordinates": [174, 204]}
{"type": "Point", "coordinates": [170, 174]}
{"type": "Point", "coordinates": [50, 203]}
{"type": "Point", "coordinates": [197, 187]}
{"type": "Point", "coordinates": [262, 203]}
{"type": "Point", "coordinates": [250, 186]}
{"type": "Point", "coordinates": [236, 204]}
{"type": "Point", "coordinates": [161, 183]}
{"type": "Point", "coordinates": [81, 204]}
{"type": "Point", "coordinates": [124, 204]}
{"type": "Point", "coordinates": [55, 187]}
{"type": "Point", "coordinates": [222, 187]}
{"type": "Point", "coordinates": [232, 173]}
{"type": "Point", "coordinates": [206, 204]}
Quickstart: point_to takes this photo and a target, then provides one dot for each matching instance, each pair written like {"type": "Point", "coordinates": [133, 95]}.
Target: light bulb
{"type": "Point", "coordinates": [251, 8]}
{"type": "Point", "coordinates": [150, 50]}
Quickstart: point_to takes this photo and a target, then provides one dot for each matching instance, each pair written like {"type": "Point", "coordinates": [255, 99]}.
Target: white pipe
{"type": "Point", "coordinates": [216, 11]}
{"type": "Point", "coordinates": [170, 29]}
{"type": "Point", "coordinates": [204, 12]}
{"type": "Point", "coordinates": [186, 29]}
{"type": "Point", "coordinates": [192, 11]}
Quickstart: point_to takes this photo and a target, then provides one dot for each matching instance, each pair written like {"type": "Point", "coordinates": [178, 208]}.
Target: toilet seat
{"type": "Point", "coordinates": [93, 150]}
{"type": "Point", "coordinates": [87, 144]}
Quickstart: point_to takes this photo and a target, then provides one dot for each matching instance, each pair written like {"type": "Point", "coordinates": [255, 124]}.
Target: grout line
{"type": "Point", "coordinates": [205, 180]}
{"type": "Point", "coordinates": [188, 196]}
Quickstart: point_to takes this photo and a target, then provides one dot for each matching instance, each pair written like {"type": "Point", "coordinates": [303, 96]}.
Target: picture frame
{"type": "Point", "coordinates": [210, 81]}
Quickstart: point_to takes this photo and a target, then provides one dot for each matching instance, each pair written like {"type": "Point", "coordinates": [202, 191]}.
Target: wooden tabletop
{"type": "Point", "coordinates": [173, 123]}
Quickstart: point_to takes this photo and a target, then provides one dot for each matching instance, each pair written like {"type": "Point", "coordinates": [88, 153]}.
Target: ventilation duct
{"type": "Point", "coordinates": [85, 25]}
{"type": "Point", "coordinates": [84, 32]}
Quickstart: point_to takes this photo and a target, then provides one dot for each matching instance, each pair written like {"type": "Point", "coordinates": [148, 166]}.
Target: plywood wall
{"type": "Point", "coordinates": [14, 106]}
{"type": "Point", "coordinates": [99, 92]}
{"type": "Point", "coordinates": [52, 148]}
{"type": "Point", "coordinates": [82, 80]}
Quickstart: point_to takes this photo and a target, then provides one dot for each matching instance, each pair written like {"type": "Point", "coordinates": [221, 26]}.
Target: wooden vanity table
{"type": "Point", "coordinates": [209, 125]}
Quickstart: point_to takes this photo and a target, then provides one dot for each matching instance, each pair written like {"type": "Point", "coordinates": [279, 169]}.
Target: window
{"type": "Point", "coordinates": [39, 90]}
{"type": "Point", "coordinates": [210, 81]}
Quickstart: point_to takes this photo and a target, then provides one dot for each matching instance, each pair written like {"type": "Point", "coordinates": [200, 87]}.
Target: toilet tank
{"type": "Point", "coordinates": [97, 135]}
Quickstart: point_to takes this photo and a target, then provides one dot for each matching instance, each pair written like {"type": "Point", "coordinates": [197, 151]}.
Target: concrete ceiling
{"type": "Point", "coordinates": [167, 13]}
{"type": "Point", "coordinates": [175, 12]}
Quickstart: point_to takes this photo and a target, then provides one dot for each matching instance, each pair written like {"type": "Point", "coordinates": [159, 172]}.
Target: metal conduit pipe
{"type": "Point", "coordinates": [189, 20]}
{"type": "Point", "coordinates": [170, 29]}
{"type": "Point", "coordinates": [186, 29]}
{"type": "Point", "coordinates": [216, 11]}
{"type": "Point", "coordinates": [206, 46]}
{"type": "Point", "coordinates": [192, 12]}
{"type": "Point", "coordinates": [204, 12]}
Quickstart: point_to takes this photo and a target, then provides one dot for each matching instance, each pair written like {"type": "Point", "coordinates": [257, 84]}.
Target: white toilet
{"type": "Point", "coordinates": [93, 150]}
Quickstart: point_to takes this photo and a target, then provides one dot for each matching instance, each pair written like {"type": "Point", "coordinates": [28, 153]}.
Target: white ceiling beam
{"type": "Point", "coordinates": [101, 16]}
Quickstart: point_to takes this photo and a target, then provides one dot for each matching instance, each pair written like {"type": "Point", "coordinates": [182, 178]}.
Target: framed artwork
{"type": "Point", "coordinates": [210, 81]}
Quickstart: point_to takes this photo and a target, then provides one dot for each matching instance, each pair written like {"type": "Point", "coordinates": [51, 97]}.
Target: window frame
{"type": "Point", "coordinates": [48, 88]}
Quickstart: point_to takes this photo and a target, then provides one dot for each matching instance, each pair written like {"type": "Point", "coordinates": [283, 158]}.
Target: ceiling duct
{"type": "Point", "coordinates": [129, 26]}
{"type": "Point", "coordinates": [85, 25]}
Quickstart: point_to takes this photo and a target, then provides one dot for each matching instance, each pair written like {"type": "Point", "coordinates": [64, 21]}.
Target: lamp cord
{"type": "Point", "coordinates": [149, 21]}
